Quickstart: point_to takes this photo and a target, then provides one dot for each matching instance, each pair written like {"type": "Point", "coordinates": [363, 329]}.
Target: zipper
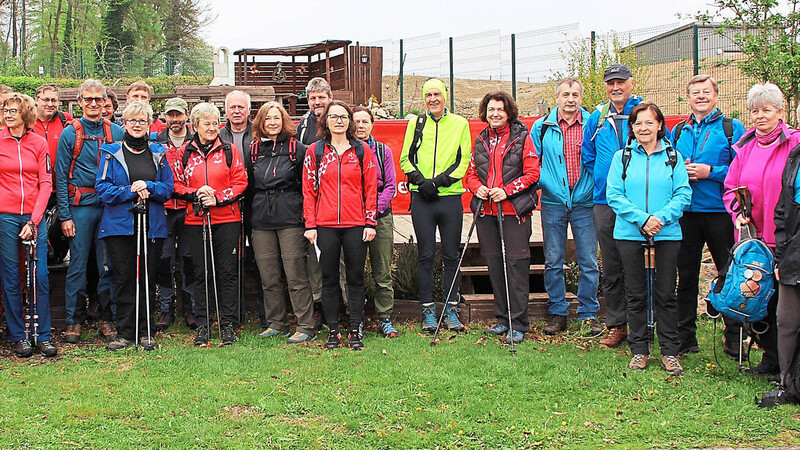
{"type": "Point", "coordinates": [702, 146]}
{"type": "Point", "coordinates": [435, 148]}
{"type": "Point", "coordinates": [491, 166]}
{"type": "Point", "coordinates": [21, 187]}
{"type": "Point", "coordinates": [647, 187]}
{"type": "Point", "coordinates": [339, 189]}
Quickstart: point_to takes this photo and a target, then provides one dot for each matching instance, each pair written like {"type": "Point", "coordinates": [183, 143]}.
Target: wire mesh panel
{"type": "Point", "coordinates": [475, 56]}
{"type": "Point", "coordinates": [540, 53]}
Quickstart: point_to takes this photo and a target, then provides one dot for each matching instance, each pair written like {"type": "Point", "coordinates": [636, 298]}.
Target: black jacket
{"type": "Point", "coordinates": [275, 184]}
{"type": "Point", "coordinates": [787, 224]}
{"type": "Point", "coordinates": [226, 134]}
{"type": "Point", "coordinates": [307, 129]}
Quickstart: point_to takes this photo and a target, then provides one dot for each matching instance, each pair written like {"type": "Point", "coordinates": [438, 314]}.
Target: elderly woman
{"type": "Point", "coordinates": [501, 174]}
{"type": "Point", "coordinates": [339, 206]}
{"type": "Point", "coordinates": [761, 156]}
{"type": "Point", "coordinates": [134, 178]}
{"type": "Point", "coordinates": [648, 189]}
{"type": "Point", "coordinates": [25, 187]}
{"type": "Point", "coordinates": [210, 175]}
{"type": "Point", "coordinates": [274, 173]}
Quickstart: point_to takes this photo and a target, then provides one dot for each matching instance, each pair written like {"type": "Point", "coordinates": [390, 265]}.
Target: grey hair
{"type": "Point", "coordinates": [136, 108]}
{"type": "Point", "coordinates": [203, 111]}
{"type": "Point", "coordinates": [91, 85]}
{"type": "Point", "coordinates": [236, 92]}
{"type": "Point", "coordinates": [569, 81]}
{"type": "Point", "coordinates": [318, 84]}
{"type": "Point", "coordinates": [764, 94]}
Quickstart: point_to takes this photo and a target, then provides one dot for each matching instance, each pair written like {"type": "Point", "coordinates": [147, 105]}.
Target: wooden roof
{"type": "Point", "coordinates": [295, 50]}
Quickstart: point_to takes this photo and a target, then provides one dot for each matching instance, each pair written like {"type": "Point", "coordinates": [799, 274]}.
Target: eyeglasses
{"type": "Point", "coordinates": [47, 100]}
{"type": "Point", "coordinates": [645, 124]}
{"type": "Point", "coordinates": [90, 100]}
{"type": "Point", "coordinates": [137, 121]}
{"type": "Point", "coordinates": [338, 117]}
{"type": "Point", "coordinates": [10, 111]}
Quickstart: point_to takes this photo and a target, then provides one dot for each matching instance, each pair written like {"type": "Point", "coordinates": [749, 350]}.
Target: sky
{"type": "Point", "coordinates": [274, 23]}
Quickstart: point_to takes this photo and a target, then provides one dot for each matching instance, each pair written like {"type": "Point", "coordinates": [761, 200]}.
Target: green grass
{"type": "Point", "coordinates": [399, 393]}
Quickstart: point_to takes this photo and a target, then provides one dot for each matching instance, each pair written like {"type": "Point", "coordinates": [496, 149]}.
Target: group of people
{"type": "Point", "coordinates": [309, 203]}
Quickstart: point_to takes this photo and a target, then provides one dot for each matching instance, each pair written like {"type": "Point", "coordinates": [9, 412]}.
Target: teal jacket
{"type": "Point", "coordinates": [553, 178]}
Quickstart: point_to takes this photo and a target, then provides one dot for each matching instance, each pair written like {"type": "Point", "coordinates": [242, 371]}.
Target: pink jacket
{"type": "Point", "coordinates": [760, 170]}
{"type": "Point", "coordinates": [25, 175]}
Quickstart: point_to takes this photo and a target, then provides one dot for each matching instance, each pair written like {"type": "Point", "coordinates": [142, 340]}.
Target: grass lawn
{"type": "Point", "coordinates": [399, 393]}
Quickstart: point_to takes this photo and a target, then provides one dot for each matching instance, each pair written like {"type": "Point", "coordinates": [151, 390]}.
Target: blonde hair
{"type": "Point", "coordinates": [203, 111]}
{"type": "Point", "coordinates": [25, 105]}
{"type": "Point", "coordinates": [136, 108]}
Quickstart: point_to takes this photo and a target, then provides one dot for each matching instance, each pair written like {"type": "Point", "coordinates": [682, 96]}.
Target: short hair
{"type": "Point", "coordinates": [569, 81]}
{"type": "Point", "coordinates": [91, 85]}
{"type": "Point", "coordinates": [47, 87]}
{"type": "Point", "coordinates": [323, 132]}
{"type": "Point", "coordinates": [140, 86]}
{"type": "Point", "coordinates": [136, 108]}
{"type": "Point", "coordinates": [703, 77]}
{"type": "Point", "coordinates": [644, 106]}
{"type": "Point", "coordinates": [5, 89]}
{"type": "Point", "coordinates": [318, 84]}
{"type": "Point", "coordinates": [508, 103]}
{"type": "Point", "coordinates": [25, 105]}
{"type": "Point", "coordinates": [362, 108]}
{"type": "Point", "coordinates": [762, 94]}
{"type": "Point", "coordinates": [110, 94]}
{"type": "Point", "coordinates": [258, 128]}
{"type": "Point", "coordinates": [236, 92]}
{"type": "Point", "coordinates": [203, 111]}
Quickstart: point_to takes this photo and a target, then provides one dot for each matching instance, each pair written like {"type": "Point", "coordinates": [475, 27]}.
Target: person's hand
{"type": "Point", "coordinates": [369, 234]}
{"type": "Point", "coordinates": [26, 233]}
{"type": "Point", "coordinates": [68, 228]}
{"type": "Point", "coordinates": [482, 193]}
{"type": "Point", "coordinates": [742, 221]}
{"type": "Point", "coordinates": [428, 190]}
{"type": "Point", "coordinates": [698, 171]}
{"type": "Point", "coordinates": [208, 200]}
{"type": "Point", "coordinates": [138, 186]}
{"type": "Point", "coordinates": [653, 225]}
{"type": "Point", "coordinates": [777, 274]}
{"type": "Point", "coordinates": [497, 194]}
{"type": "Point", "coordinates": [311, 235]}
{"type": "Point", "coordinates": [143, 194]}
{"type": "Point", "coordinates": [205, 190]}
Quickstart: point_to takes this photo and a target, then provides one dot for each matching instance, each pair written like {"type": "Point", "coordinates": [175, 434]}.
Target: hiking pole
{"type": "Point", "coordinates": [510, 336]}
{"type": "Point", "coordinates": [203, 212]}
{"type": "Point", "coordinates": [214, 275]}
{"type": "Point", "coordinates": [136, 210]}
{"type": "Point", "coordinates": [650, 269]}
{"type": "Point", "coordinates": [32, 310]}
{"type": "Point", "coordinates": [455, 276]}
{"type": "Point", "coordinates": [240, 264]}
{"type": "Point", "coordinates": [143, 215]}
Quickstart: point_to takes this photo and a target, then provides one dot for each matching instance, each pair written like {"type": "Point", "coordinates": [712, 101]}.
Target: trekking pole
{"type": "Point", "coordinates": [455, 276]}
{"type": "Point", "coordinates": [650, 269]}
{"type": "Point", "coordinates": [203, 212]}
{"type": "Point", "coordinates": [510, 336]}
{"type": "Point", "coordinates": [214, 275]}
{"type": "Point", "coordinates": [143, 215]}
{"type": "Point", "coordinates": [136, 211]}
{"type": "Point", "coordinates": [240, 267]}
{"type": "Point", "coordinates": [32, 310]}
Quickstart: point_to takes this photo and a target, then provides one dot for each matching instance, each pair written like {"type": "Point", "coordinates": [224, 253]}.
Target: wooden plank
{"type": "Point", "coordinates": [404, 230]}
{"type": "Point", "coordinates": [471, 271]}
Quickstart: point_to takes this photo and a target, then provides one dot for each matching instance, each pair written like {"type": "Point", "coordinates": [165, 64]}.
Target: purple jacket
{"type": "Point", "coordinates": [387, 180]}
{"type": "Point", "coordinates": [761, 172]}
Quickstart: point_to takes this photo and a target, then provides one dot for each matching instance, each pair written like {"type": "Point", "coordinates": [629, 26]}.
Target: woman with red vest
{"type": "Point", "coordinates": [25, 186]}
{"type": "Point", "coordinates": [211, 177]}
{"type": "Point", "coordinates": [501, 174]}
{"type": "Point", "coordinates": [339, 206]}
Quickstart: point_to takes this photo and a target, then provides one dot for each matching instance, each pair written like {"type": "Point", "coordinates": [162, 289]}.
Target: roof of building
{"type": "Point", "coordinates": [295, 50]}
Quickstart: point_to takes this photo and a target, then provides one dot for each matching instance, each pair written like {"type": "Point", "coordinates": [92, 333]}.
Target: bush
{"type": "Point", "coordinates": [161, 84]}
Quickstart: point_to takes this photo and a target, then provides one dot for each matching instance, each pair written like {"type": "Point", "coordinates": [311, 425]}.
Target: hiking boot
{"type": "Point", "coordinates": [555, 325]}
{"type": "Point", "coordinates": [387, 330]}
{"type": "Point", "coordinates": [516, 336]}
{"type": "Point", "coordinates": [107, 329]}
{"type": "Point", "coordinates": [639, 362]}
{"type": "Point", "coordinates": [497, 329]}
{"type": "Point", "coordinates": [272, 332]}
{"type": "Point", "coordinates": [119, 343]}
{"type": "Point", "coordinates": [165, 321]}
{"type": "Point", "coordinates": [191, 321]}
{"type": "Point", "coordinates": [451, 320]}
{"type": "Point", "coordinates": [334, 340]}
{"type": "Point", "coordinates": [772, 398]}
{"type": "Point", "coordinates": [229, 334]}
{"type": "Point", "coordinates": [147, 343]}
{"type": "Point", "coordinates": [429, 319]}
{"type": "Point", "coordinates": [763, 369]}
{"type": "Point", "coordinates": [672, 365]}
{"type": "Point", "coordinates": [73, 334]}
{"type": "Point", "coordinates": [731, 348]}
{"type": "Point", "coordinates": [590, 328]}
{"type": "Point", "coordinates": [203, 336]}
{"type": "Point", "coordinates": [23, 349]}
{"type": "Point", "coordinates": [354, 339]}
{"type": "Point", "coordinates": [616, 336]}
{"type": "Point", "coordinates": [689, 346]}
{"type": "Point", "coordinates": [47, 349]}
{"type": "Point", "coordinates": [299, 338]}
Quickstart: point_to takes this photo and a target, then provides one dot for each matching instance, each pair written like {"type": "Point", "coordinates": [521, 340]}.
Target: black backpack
{"type": "Point", "coordinates": [672, 159]}
{"type": "Point", "coordinates": [226, 148]}
{"type": "Point", "coordinates": [727, 128]}
{"type": "Point", "coordinates": [319, 149]}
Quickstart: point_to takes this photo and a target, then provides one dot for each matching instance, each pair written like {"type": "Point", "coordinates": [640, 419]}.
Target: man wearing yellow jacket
{"type": "Point", "coordinates": [435, 157]}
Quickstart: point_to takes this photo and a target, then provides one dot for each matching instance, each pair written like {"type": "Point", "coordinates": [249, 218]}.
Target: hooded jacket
{"type": "Point", "coordinates": [307, 129]}
{"type": "Point", "coordinates": [787, 222]}
{"type": "Point", "coordinates": [274, 174]}
{"type": "Point", "coordinates": [387, 179]}
{"type": "Point", "coordinates": [113, 187]}
{"type": "Point", "coordinates": [25, 179]}
{"type": "Point", "coordinates": [652, 187]}
{"type": "Point", "coordinates": [172, 159]}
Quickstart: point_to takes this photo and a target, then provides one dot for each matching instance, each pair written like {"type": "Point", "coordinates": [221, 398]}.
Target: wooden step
{"type": "Point", "coordinates": [532, 297]}
{"type": "Point", "coordinates": [536, 269]}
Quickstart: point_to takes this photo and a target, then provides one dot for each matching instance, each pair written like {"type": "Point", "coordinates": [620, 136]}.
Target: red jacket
{"type": "Point", "coordinates": [212, 170]}
{"type": "Point", "coordinates": [25, 180]}
{"type": "Point", "coordinates": [51, 131]}
{"type": "Point", "coordinates": [340, 194]}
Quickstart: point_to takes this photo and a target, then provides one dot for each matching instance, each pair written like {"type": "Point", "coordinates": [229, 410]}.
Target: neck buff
{"type": "Point", "coordinates": [766, 139]}
{"type": "Point", "coordinates": [135, 143]}
{"type": "Point", "coordinates": [205, 148]}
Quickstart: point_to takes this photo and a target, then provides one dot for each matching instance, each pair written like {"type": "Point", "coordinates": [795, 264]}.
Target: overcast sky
{"type": "Point", "coordinates": [273, 23]}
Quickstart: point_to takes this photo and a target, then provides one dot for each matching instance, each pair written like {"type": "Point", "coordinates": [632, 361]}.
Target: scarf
{"type": "Point", "coordinates": [134, 143]}
{"type": "Point", "coordinates": [766, 139]}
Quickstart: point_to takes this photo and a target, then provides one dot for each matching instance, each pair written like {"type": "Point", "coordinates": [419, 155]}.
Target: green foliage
{"type": "Point", "coordinates": [404, 273]}
{"type": "Point", "coordinates": [161, 84]}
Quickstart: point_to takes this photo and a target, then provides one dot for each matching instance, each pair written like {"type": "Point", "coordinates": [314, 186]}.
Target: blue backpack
{"type": "Point", "coordinates": [744, 287]}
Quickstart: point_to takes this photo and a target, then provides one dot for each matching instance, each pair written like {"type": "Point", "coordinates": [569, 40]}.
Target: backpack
{"type": "Point", "coordinates": [80, 137]}
{"type": "Point", "coordinates": [319, 149]}
{"type": "Point", "coordinates": [672, 159]}
{"type": "Point", "coordinates": [416, 142]}
{"type": "Point", "coordinates": [380, 149]}
{"type": "Point", "coordinates": [727, 128]}
{"type": "Point", "coordinates": [226, 148]}
{"type": "Point", "coordinates": [292, 151]}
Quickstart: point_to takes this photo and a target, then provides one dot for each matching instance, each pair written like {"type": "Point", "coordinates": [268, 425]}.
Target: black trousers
{"type": "Point", "coordinates": [447, 214]}
{"type": "Point", "coordinates": [614, 282]}
{"type": "Point", "coordinates": [517, 235]}
{"type": "Point", "coordinates": [176, 250]}
{"type": "Point", "coordinates": [122, 253]}
{"type": "Point", "coordinates": [788, 329]}
{"type": "Point", "coordinates": [332, 243]}
{"type": "Point", "coordinates": [225, 238]}
{"type": "Point", "coordinates": [699, 229]}
{"type": "Point", "coordinates": [665, 305]}
{"type": "Point", "coordinates": [768, 341]}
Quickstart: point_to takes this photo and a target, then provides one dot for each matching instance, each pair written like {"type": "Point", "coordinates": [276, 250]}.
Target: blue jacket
{"type": "Point", "coordinates": [85, 170]}
{"type": "Point", "coordinates": [706, 143]}
{"type": "Point", "coordinates": [553, 176]}
{"type": "Point", "coordinates": [114, 190]}
{"type": "Point", "coordinates": [652, 187]}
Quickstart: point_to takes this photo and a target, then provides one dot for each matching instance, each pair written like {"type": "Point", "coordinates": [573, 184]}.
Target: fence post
{"type": "Point", "coordinates": [452, 93]}
{"type": "Point", "coordinates": [514, 65]}
{"type": "Point", "coordinates": [593, 44]}
{"type": "Point", "coordinates": [696, 48]}
{"type": "Point", "coordinates": [400, 78]}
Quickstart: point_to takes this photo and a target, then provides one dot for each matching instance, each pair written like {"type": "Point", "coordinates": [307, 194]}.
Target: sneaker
{"type": "Point", "coordinates": [387, 330]}
{"type": "Point", "coordinates": [616, 336]}
{"type": "Point", "coordinates": [47, 349]}
{"type": "Point", "coordinates": [107, 329]}
{"type": "Point", "coordinates": [23, 349]}
{"type": "Point", "coordinates": [229, 334]}
{"type": "Point", "coordinates": [299, 338]}
{"type": "Point", "coordinates": [690, 346]}
{"type": "Point", "coordinates": [119, 343]}
{"type": "Point", "coordinates": [203, 336]}
{"type": "Point", "coordinates": [497, 329]}
{"type": "Point", "coordinates": [515, 336]}
{"type": "Point", "coordinates": [451, 320]}
{"type": "Point", "coordinates": [334, 340]}
{"type": "Point", "coordinates": [555, 325]}
{"type": "Point", "coordinates": [429, 319]}
{"type": "Point", "coordinates": [272, 332]}
{"type": "Point", "coordinates": [639, 362]}
{"type": "Point", "coordinates": [147, 343]}
{"type": "Point", "coordinates": [672, 365]}
{"type": "Point", "coordinates": [354, 339]}
{"type": "Point", "coordinates": [165, 321]}
{"type": "Point", "coordinates": [73, 334]}
{"type": "Point", "coordinates": [590, 328]}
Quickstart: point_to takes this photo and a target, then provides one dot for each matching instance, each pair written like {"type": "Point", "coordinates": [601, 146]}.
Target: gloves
{"type": "Point", "coordinates": [428, 191]}
{"type": "Point", "coordinates": [416, 177]}
{"type": "Point", "coordinates": [443, 180]}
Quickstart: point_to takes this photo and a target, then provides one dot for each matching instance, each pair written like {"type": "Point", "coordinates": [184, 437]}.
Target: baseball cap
{"type": "Point", "coordinates": [176, 104]}
{"type": "Point", "coordinates": [617, 72]}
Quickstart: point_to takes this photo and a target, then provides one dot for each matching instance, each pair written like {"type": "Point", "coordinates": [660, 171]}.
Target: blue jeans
{"type": "Point", "coordinates": [10, 226]}
{"type": "Point", "coordinates": [87, 227]}
{"type": "Point", "coordinates": [554, 231]}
